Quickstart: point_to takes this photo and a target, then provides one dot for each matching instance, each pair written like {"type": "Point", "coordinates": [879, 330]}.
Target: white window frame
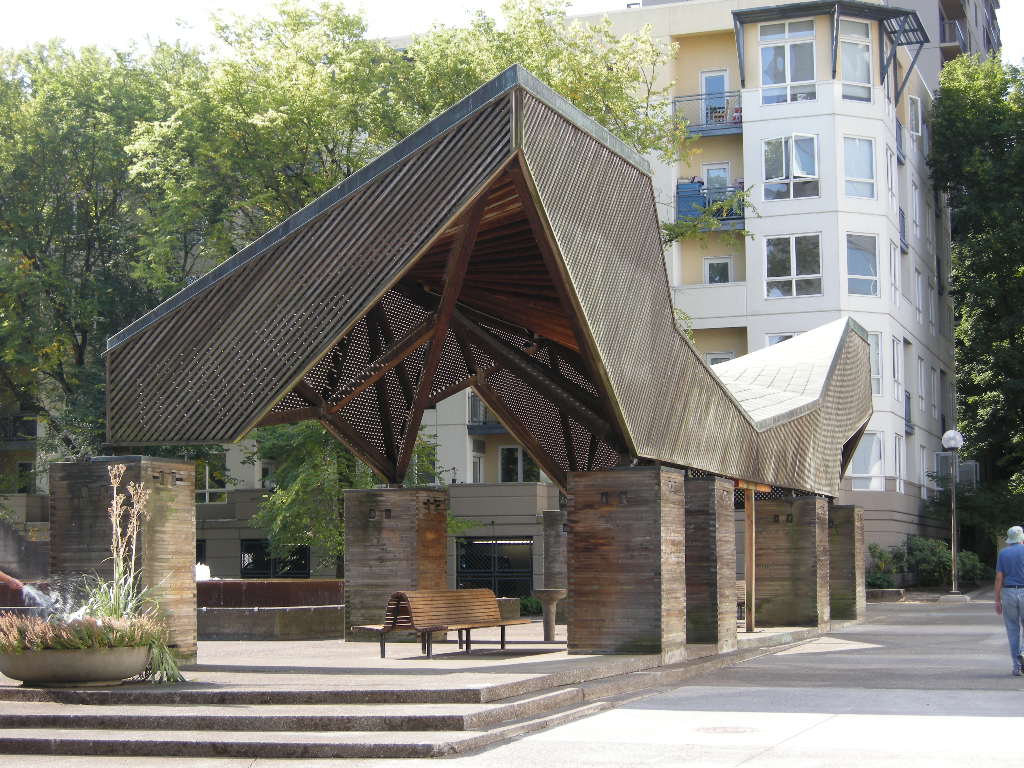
{"type": "Point", "coordinates": [876, 482]}
{"type": "Point", "coordinates": [850, 276]}
{"type": "Point", "coordinates": [915, 208]}
{"type": "Point", "coordinates": [932, 306]}
{"type": "Point", "coordinates": [520, 465]}
{"type": "Point", "coordinates": [914, 115]}
{"type": "Point", "coordinates": [706, 176]}
{"type": "Point", "coordinates": [923, 470]}
{"type": "Point", "coordinates": [725, 356]}
{"type": "Point", "coordinates": [795, 177]}
{"type": "Point", "coordinates": [704, 89]}
{"type": "Point", "coordinates": [857, 180]}
{"type": "Point", "coordinates": [919, 293]}
{"type": "Point", "coordinates": [477, 468]}
{"type": "Point", "coordinates": [860, 41]}
{"type": "Point", "coordinates": [933, 385]}
{"type": "Point", "coordinates": [892, 177]}
{"type": "Point", "coordinates": [778, 336]}
{"type": "Point", "coordinates": [205, 493]}
{"type": "Point", "coordinates": [922, 386]}
{"type": "Point", "coordinates": [786, 43]}
{"type": "Point", "coordinates": [897, 370]}
{"type": "Point", "coordinates": [875, 361]}
{"type": "Point", "coordinates": [899, 458]}
{"type": "Point", "coordinates": [793, 276]}
{"type": "Point", "coordinates": [895, 270]}
{"type": "Point", "coordinates": [709, 260]}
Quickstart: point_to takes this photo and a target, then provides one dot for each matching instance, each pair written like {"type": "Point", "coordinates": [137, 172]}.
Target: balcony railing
{"type": "Point", "coordinates": [901, 154]}
{"type": "Point", "coordinates": [904, 245]}
{"type": "Point", "coordinates": [951, 33]}
{"type": "Point", "coordinates": [710, 113]}
{"type": "Point", "coordinates": [17, 428]}
{"type": "Point", "coordinates": [692, 198]}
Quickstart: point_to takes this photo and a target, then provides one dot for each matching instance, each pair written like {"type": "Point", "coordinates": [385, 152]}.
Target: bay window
{"type": "Point", "coordinates": [862, 264]}
{"type": "Point", "coordinates": [791, 167]}
{"type": "Point", "coordinates": [855, 57]}
{"type": "Point", "coordinates": [867, 469]}
{"type": "Point", "coordinates": [793, 266]}
{"type": "Point", "coordinates": [875, 344]}
{"type": "Point", "coordinates": [787, 62]}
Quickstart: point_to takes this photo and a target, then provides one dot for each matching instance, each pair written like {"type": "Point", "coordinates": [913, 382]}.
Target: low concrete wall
{"type": "Point", "coordinates": [269, 593]}
{"type": "Point", "coordinates": [303, 622]}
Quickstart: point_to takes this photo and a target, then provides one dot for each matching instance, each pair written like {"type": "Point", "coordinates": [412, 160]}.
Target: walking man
{"type": "Point", "coordinates": [1010, 591]}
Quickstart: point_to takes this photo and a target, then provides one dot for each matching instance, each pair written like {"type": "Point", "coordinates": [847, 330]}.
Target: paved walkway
{"type": "Point", "coordinates": [916, 685]}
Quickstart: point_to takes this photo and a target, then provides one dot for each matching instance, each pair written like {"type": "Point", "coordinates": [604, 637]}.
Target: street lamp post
{"type": "Point", "coordinates": [953, 441]}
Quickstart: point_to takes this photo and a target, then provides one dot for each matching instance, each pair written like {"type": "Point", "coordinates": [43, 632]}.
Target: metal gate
{"type": "Point", "coordinates": [504, 565]}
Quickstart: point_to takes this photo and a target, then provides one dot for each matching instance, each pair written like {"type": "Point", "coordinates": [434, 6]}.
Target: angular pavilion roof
{"type": "Point", "coordinates": [510, 245]}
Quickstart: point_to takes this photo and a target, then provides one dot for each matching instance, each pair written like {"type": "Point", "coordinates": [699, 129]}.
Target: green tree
{"type": "Point", "coordinates": [68, 230]}
{"type": "Point", "coordinates": [977, 157]}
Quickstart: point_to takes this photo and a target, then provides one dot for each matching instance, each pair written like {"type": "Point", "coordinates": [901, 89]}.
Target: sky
{"type": "Point", "coordinates": [117, 23]}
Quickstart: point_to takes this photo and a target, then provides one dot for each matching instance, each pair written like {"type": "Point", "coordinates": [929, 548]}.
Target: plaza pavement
{"type": "Point", "coordinates": [917, 684]}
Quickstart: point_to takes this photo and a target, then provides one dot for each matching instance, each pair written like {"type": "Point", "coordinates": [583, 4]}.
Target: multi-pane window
{"type": "Point", "coordinates": [211, 480]}
{"type": "Point", "coordinates": [862, 264]}
{"type": "Point", "coordinates": [778, 338]}
{"type": "Point", "coordinates": [855, 58]}
{"type": "Point", "coordinates": [922, 385]}
{"type": "Point", "coordinates": [899, 456]}
{"type": "Point", "coordinates": [923, 470]}
{"type": "Point", "coordinates": [787, 62]}
{"type": "Point", "coordinates": [891, 177]}
{"type": "Point", "coordinates": [793, 266]}
{"type": "Point", "coordinates": [919, 294]}
{"type": "Point", "coordinates": [517, 466]}
{"type": "Point", "coordinates": [875, 343]}
{"type": "Point", "coordinates": [860, 166]}
{"type": "Point", "coordinates": [932, 307]}
{"type": "Point", "coordinates": [791, 167]}
{"type": "Point", "coordinates": [914, 107]}
{"type": "Point", "coordinates": [929, 226]}
{"type": "Point", "coordinates": [717, 270]}
{"type": "Point", "coordinates": [897, 370]}
{"type": "Point", "coordinates": [895, 268]}
{"type": "Point", "coordinates": [714, 358]}
{"type": "Point", "coordinates": [915, 207]}
{"type": "Point", "coordinates": [867, 469]}
{"type": "Point", "coordinates": [933, 391]}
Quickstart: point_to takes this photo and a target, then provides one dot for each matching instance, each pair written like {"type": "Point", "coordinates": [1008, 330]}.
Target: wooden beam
{"type": "Point", "coordinates": [395, 355]}
{"type": "Point", "coordinates": [565, 395]}
{"type": "Point", "coordinates": [310, 395]}
{"type": "Point", "coordinates": [455, 273]}
{"type": "Point", "coordinates": [567, 439]}
{"type": "Point", "coordinates": [342, 431]}
{"type": "Point", "coordinates": [383, 400]}
{"type": "Point", "coordinates": [749, 558]}
{"type": "Point", "coordinates": [521, 433]}
{"type": "Point", "coordinates": [386, 334]}
{"type": "Point", "coordinates": [294, 416]}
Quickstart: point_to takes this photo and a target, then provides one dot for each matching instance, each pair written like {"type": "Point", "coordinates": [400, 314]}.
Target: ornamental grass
{"type": "Point", "coordinates": [30, 633]}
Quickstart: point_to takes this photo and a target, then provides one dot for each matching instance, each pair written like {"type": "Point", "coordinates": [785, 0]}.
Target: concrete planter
{"type": "Point", "coordinates": [67, 669]}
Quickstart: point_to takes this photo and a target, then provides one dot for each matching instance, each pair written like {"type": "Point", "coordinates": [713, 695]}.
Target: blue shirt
{"type": "Point", "coordinates": [1010, 563]}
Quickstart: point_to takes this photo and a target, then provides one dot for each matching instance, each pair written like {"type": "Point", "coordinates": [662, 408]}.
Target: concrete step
{"type": "Point", "coordinates": [275, 744]}
{"type": "Point", "coordinates": [285, 717]}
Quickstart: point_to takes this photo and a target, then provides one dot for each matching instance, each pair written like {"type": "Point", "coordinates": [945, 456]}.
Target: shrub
{"type": "Point", "coordinates": [970, 569]}
{"type": "Point", "coordinates": [928, 561]}
{"type": "Point", "coordinates": [884, 566]}
{"type": "Point", "coordinates": [530, 606]}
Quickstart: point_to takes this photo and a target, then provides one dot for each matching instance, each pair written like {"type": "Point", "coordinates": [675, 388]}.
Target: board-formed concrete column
{"type": "Point", "coordinates": [80, 532]}
{"type": "Point", "coordinates": [625, 554]}
{"type": "Point", "coordinates": [792, 562]}
{"type": "Point", "coordinates": [395, 540]}
{"type": "Point", "coordinates": [848, 599]}
{"type": "Point", "coordinates": [555, 538]}
{"type": "Point", "coordinates": [710, 563]}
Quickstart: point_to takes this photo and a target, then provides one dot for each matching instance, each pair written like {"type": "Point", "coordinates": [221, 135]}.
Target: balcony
{"type": "Point", "coordinates": [710, 114]}
{"type": "Point", "coordinates": [481, 421]}
{"type": "Point", "coordinates": [952, 40]}
{"type": "Point", "coordinates": [901, 154]}
{"type": "Point", "coordinates": [908, 413]}
{"type": "Point", "coordinates": [706, 301]}
{"type": "Point", "coordinates": [904, 245]}
{"type": "Point", "coordinates": [692, 197]}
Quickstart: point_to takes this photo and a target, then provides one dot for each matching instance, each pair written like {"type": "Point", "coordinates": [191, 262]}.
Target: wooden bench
{"type": "Point", "coordinates": [425, 612]}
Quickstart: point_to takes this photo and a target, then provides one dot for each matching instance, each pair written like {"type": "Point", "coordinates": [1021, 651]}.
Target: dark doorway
{"type": "Point", "coordinates": [504, 565]}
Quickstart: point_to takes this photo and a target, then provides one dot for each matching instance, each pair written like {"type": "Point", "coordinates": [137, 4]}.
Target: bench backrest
{"type": "Point", "coordinates": [426, 608]}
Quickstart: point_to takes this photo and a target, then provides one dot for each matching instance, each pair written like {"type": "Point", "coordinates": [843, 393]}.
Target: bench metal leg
{"type": "Point", "coordinates": [460, 639]}
{"type": "Point", "coordinates": [382, 645]}
{"type": "Point", "coordinates": [503, 638]}
{"type": "Point", "coordinates": [430, 645]}
{"type": "Point", "coordinates": [423, 643]}
{"type": "Point", "coordinates": [467, 641]}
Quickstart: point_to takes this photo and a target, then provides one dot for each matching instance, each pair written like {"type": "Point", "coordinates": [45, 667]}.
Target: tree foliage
{"type": "Point", "coordinates": [977, 157]}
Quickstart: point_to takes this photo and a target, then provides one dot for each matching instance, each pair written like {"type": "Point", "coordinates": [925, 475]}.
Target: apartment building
{"type": "Point", "coordinates": [819, 111]}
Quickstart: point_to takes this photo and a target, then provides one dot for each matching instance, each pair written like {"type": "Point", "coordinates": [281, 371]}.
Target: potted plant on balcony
{"type": "Point", "coordinates": [113, 634]}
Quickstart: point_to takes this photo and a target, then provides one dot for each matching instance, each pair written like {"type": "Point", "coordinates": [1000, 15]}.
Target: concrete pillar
{"type": "Point", "coordinates": [626, 575]}
{"type": "Point", "coordinates": [710, 563]}
{"type": "Point", "coordinates": [395, 540]}
{"type": "Point", "coordinates": [80, 495]}
{"type": "Point", "coordinates": [792, 562]}
{"type": "Point", "coordinates": [847, 598]}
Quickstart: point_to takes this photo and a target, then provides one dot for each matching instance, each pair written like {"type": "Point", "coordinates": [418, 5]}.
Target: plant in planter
{"type": "Point", "coordinates": [113, 634]}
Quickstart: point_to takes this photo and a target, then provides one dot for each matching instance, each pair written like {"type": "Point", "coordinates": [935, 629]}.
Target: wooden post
{"type": "Point", "coordinates": [749, 561]}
